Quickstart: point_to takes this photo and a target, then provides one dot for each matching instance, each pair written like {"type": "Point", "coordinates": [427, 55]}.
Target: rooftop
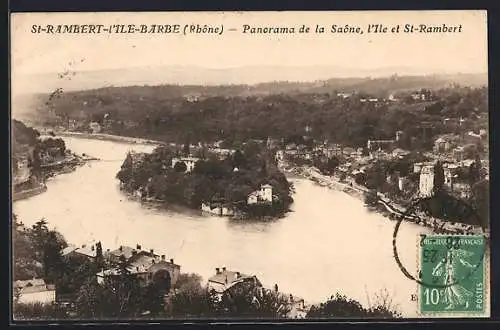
{"type": "Point", "coordinates": [34, 285]}
{"type": "Point", "coordinates": [228, 277]}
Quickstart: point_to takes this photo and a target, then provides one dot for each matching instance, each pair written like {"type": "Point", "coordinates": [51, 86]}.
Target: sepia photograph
{"type": "Point", "coordinates": [249, 165]}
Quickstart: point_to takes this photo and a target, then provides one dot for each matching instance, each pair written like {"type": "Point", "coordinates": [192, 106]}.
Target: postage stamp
{"type": "Point", "coordinates": [452, 271]}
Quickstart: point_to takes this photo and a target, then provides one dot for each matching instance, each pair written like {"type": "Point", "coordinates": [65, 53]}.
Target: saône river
{"type": "Point", "coordinates": [329, 242]}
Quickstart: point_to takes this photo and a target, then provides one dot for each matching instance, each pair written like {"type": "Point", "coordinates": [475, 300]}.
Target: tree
{"type": "Point", "coordinates": [371, 198]}
{"type": "Point", "coordinates": [475, 171]}
{"type": "Point", "coordinates": [338, 306]}
{"type": "Point", "coordinates": [438, 178]}
{"type": "Point", "coordinates": [99, 256]}
{"type": "Point", "coordinates": [180, 167]}
{"type": "Point", "coordinates": [239, 160]}
{"type": "Point", "coordinates": [480, 200]}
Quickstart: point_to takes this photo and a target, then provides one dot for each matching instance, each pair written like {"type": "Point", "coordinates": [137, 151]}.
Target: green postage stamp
{"type": "Point", "coordinates": [453, 275]}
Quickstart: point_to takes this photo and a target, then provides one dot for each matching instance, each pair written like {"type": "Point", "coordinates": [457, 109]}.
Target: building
{"type": "Point", "coordinates": [402, 183]}
{"type": "Point", "coordinates": [349, 152]}
{"type": "Point", "coordinates": [448, 178]}
{"type": "Point", "coordinates": [458, 153]}
{"type": "Point", "coordinates": [95, 127]}
{"type": "Point", "coordinates": [297, 307]}
{"type": "Point", "coordinates": [147, 267]}
{"type": "Point", "coordinates": [88, 251]}
{"type": "Point", "coordinates": [400, 153]}
{"type": "Point", "coordinates": [128, 252]}
{"type": "Point", "coordinates": [426, 183]}
{"type": "Point", "coordinates": [445, 143]}
{"type": "Point", "coordinates": [399, 134]}
{"type": "Point", "coordinates": [190, 162]}
{"type": "Point", "coordinates": [264, 195]}
{"type": "Point", "coordinates": [280, 155]}
{"type": "Point", "coordinates": [226, 280]}
{"type": "Point", "coordinates": [379, 145]}
{"type": "Point", "coordinates": [217, 209]}
{"type": "Point", "coordinates": [34, 291]}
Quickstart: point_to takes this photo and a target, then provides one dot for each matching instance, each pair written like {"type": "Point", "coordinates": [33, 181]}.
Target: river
{"type": "Point", "coordinates": [329, 242]}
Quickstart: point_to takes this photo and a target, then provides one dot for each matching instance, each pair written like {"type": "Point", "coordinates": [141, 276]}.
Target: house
{"type": "Point", "coordinates": [264, 195]}
{"type": "Point", "coordinates": [445, 143]}
{"type": "Point", "coordinates": [349, 152]}
{"type": "Point", "coordinates": [402, 183]}
{"type": "Point", "coordinates": [426, 183]}
{"type": "Point", "coordinates": [217, 208]}
{"type": "Point", "coordinates": [226, 280]}
{"type": "Point", "coordinates": [297, 307]}
{"type": "Point", "coordinates": [128, 252]}
{"type": "Point", "coordinates": [34, 291]}
{"type": "Point", "coordinates": [422, 95]}
{"type": "Point", "coordinates": [88, 251]}
{"type": "Point", "coordinates": [392, 98]}
{"type": "Point", "coordinates": [190, 162]}
{"type": "Point", "coordinates": [147, 267]}
{"type": "Point", "coordinates": [280, 155]}
{"type": "Point", "coordinates": [344, 95]}
{"type": "Point", "coordinates": [95, 127]}
{"type": "Point", "coordinates": [458, 153]}
{"type": "Point", "coordinates": [400, 153]}
{"type": "Point", "coordinates": [374, 145]}
{"type": "Point", "coordinates": [399, 134]}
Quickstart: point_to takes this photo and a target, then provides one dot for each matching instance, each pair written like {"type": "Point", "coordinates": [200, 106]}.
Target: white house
{"type": "Point", "coordinates": [95, 127]}
{"type": "Point", "coordinates": [189, 161]}
{"type": "Point", "coordinates": [265, 195]}
{"type": "Point", "coordinates": [426, 183]}
{"type": "Point", "coordinates": [34, 291]}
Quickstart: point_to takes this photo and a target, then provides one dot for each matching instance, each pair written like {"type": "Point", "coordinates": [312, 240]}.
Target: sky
{"type": "Point", "coordinates": [434, 53]}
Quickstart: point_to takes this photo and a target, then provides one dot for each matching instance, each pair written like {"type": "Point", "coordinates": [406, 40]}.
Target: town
{"type": "Point", "coordinates": [432, 159]}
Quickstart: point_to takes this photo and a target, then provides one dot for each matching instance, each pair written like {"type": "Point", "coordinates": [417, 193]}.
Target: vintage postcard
{"type": "Point", "coordinates": [250, 165]}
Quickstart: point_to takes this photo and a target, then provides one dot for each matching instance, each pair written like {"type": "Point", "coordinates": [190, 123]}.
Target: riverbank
{"type": "Point", "coordinates": [108, 137]}
{"type": "Point", "coordinates": [51, 170]}
{"type": "Point", "coordinates": [385, 207]}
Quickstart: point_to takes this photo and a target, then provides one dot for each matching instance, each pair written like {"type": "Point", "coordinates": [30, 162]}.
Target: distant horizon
{"type": "Point", "coordinates": [191, 75]}
{"type": "Point", "coordinates": [422, 71]}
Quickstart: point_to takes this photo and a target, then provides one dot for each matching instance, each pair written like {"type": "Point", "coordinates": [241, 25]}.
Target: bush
{"type": "Point", "coordinates": [38, 311]}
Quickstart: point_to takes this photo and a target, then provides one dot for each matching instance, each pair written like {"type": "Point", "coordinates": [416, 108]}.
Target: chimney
{"type": "Point", "coordinates": [217, 270]}
{"type": "Point", "coordinates": [223, 269]}
{"type": "Point", "coordinates": [138, 247]}
{"type": "Point", "coordinates": [238, 274]}
{"type": "Point", "coordinates": [134, 252]}
{"type": "Point", "coordinates": [92, 248]}
{"type": "Point", "coordinates": [171, 261]}
{"type": "Point", "coordinates": [83, 245]}
{"type": "Point", "coordinates": [162, 257]}
{"type": "Point", "coordinates": [121, 248]}
{"type": "Point", "coordinates": [151, 251]}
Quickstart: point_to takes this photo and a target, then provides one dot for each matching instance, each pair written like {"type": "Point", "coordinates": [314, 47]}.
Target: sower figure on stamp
{"type": "Point", "coordinates": [454, 293]}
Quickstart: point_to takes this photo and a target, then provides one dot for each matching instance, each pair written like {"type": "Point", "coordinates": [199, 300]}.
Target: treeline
{"type": "Point", "coordinates": [227, 181]}
{"type": "Point", "coordinates": [149, 112]}
{"type": "Point", "coordinates": [22, 136]}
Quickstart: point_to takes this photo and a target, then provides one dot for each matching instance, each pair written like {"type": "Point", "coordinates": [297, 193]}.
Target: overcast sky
{"type": "Point", "coordinates": [435, 53]}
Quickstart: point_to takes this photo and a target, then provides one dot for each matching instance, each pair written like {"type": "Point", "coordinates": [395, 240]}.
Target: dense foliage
{"type": "Point", "coordinates": [228, 180]}
{"type": "Point", "coordinates": [339, 306]}
{"type": "Point", "coordinates": [152, 112]}
{"type": "Point", "coordinates": [36, 251]}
